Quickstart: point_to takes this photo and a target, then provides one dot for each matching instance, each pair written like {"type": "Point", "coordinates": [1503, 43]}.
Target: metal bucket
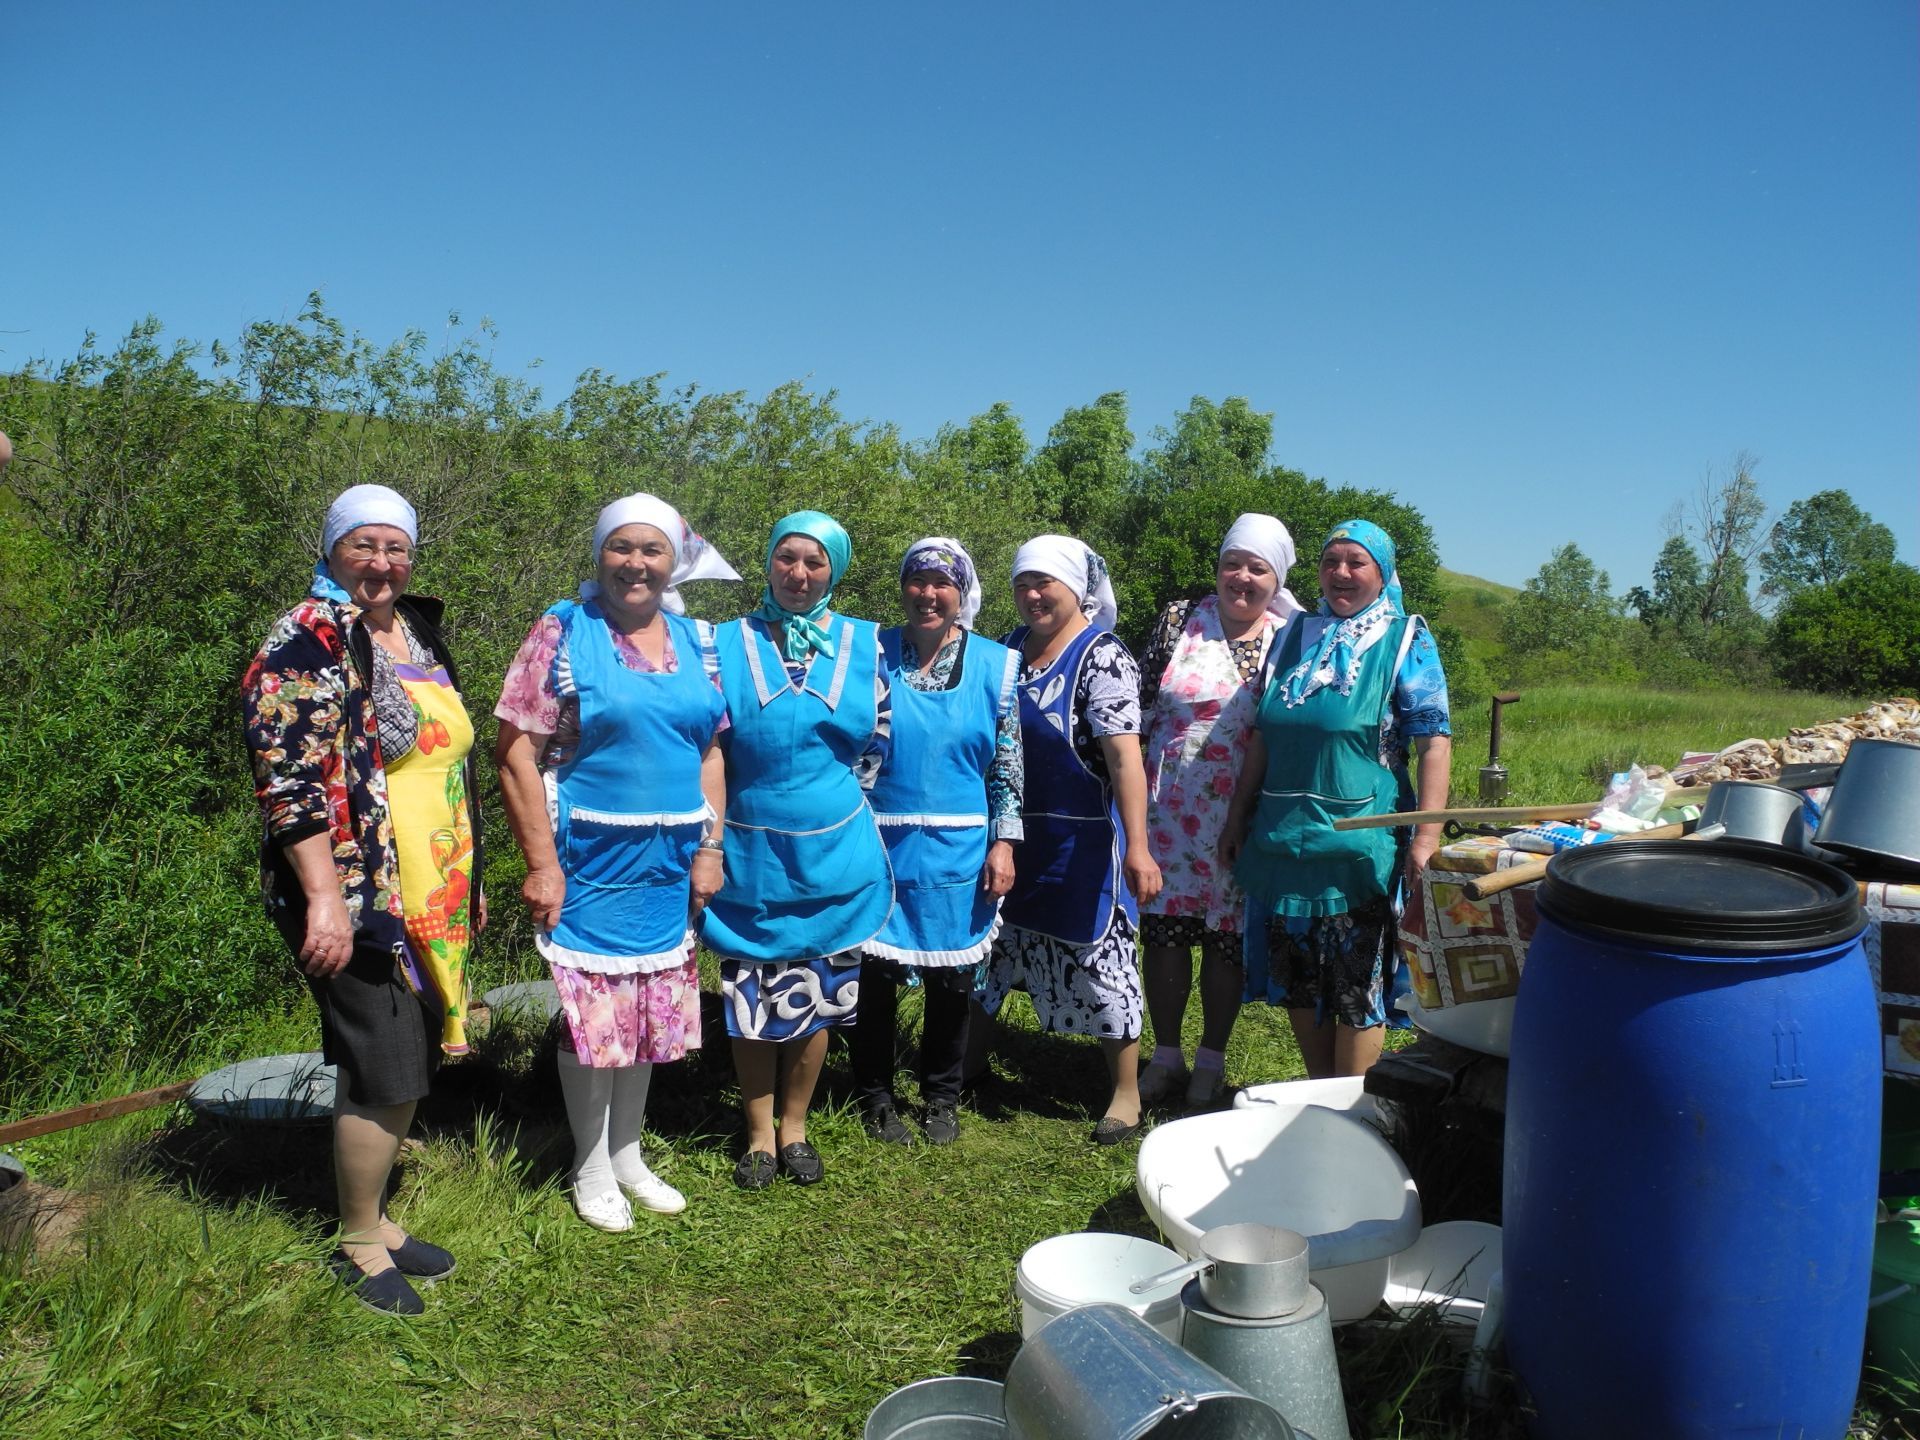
{"type": "Point", "coordinates": [12, 1173]}
{"type": "Point", "coordinates": [1287, 1361]}
{"type": "Point", "coordinates": [948, 1407]}
{"type": "Point", "coordinates": [1871, 815]}
{"type": "Point", "coordinates": [1103, 1373]}
{"type": "Point", "coordinates": [1752, 810]}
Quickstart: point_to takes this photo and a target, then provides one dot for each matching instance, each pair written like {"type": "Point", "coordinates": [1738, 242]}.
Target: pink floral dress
{"type": "Point", "coordinates": [1195, 738]}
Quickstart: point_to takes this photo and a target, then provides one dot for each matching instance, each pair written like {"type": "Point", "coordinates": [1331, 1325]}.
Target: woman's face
{"type": "Point", "coordinates": [1349, 578]}
{"type": "Point", "coordinates": [1046, 604]}
{"type": "Point", "coordinates": [931, 601]}
{"type": "Point", "coordinates": [636, 567]}
{"type": "Point", "coordinates": [373, 564]}
{"type": "Point", "coordinates": [800, 573]}
{"type": "Point", "coordinates": [1244, 583]}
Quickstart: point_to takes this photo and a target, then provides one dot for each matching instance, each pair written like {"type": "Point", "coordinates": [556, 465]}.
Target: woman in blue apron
{"type": "Point", "coordinates": [807, 882]}
{"type": "Point", "coordinates": [1353, 689]}
{"type": "Point", "coordinates": [1083, 865]}
{"type": "Point", "coordinates": [613, 784]}
{"type": "Point", "coordinates": [948, 805]}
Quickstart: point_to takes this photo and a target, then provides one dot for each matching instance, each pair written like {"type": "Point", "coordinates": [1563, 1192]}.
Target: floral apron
{"type": "Point", "coordinates": [433, 832]}
{"type": "Point", "coordinates": [1196, 738]}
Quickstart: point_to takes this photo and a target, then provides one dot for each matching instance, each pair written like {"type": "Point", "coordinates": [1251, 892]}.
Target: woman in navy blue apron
{"type": "Point", "coordinates": [1083, 865]}
{"type": "Point", "coordinates": [948, 805]}
{"type": "Point", "coordinates": [609, 718]}
{"type": "Point", "coordinates": [1353, 691]}
{"type": "Point", "coordinates": [807, 882]}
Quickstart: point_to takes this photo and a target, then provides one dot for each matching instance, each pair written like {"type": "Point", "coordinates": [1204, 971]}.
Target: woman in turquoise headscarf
{"type": "Point", "coordinates": [1350, 692]}
{"type": "Point", "coordinates": [807, 882]}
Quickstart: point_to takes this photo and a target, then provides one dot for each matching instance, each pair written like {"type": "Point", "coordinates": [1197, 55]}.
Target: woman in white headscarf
{"type": "Point", "coordinates": [948, 804]}
{"type": "Point", "coordinates": [1082, 867]}
{"type": "Point", "coordinates": [1198, 689]}
{"type": "Point", "coordinates": [615, 789]}
{"type": "Point", "coordinates": [362, 760]}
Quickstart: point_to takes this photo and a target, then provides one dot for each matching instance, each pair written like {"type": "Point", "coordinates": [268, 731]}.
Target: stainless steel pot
{"type": "Point", "coordinates": [1253, 1271]}
{"type": "Point", "coordinates": [1102, 1373]}
{"type": "Point", "coordinates": [947, 1407]}
{"type": "Point", "coordinates": [1874, 811]}
{"type": "Point", "coordinates": [1752, 810]}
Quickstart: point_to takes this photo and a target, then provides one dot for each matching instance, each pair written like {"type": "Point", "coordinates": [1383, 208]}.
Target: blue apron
{"type": "Point", "coordinates": [931, 805]}
{"type": "Point", "coordinates": [806, 873]}
{"type": "Point", "coordinates": [1066, 872]}
{"type": "Point", "coordinates": [629, 811]}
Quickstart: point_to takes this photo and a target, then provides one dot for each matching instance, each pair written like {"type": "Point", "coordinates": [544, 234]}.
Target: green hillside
{"type": "Point", "coordinates": [1475, 607]}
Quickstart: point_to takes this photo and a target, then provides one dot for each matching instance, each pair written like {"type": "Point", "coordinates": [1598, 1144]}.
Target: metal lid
{"type": "Point", "coordinates": [1735, 897]}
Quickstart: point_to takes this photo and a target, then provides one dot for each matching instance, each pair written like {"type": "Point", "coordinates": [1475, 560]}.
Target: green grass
{"type": "Point", "coordinates": [1560, 743]}
{"type": "Point", "coordinates": [1475, 606]}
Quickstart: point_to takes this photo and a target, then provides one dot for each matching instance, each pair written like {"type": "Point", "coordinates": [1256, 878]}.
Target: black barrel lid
{"type": "Point", "coordinates": [1735, 896]}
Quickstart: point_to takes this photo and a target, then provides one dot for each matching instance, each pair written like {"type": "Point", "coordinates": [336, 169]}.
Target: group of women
{"type": "Point", "coordinates": [835, 810]}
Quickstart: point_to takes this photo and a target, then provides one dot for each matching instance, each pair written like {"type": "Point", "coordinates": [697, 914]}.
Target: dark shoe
{"type": "Point", "coordinates": [1111, 1131]}
{"type": "Point", "coordinates": [802, 1163]}
{"type": "Point", "coordinates": [755, 1170]}
{"type": "Point", "coordinates": [388, 1292]}
{"type": "Point", "coordinates": [418, 1260]}
{"type": "Point", "coordinates": [883, 1122]}
{"type": "Point", "coordinates": [942, 1124]}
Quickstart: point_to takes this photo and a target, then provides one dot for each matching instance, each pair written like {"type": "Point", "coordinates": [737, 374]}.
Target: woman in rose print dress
{"type": "Point", "coordinates": [614, 786]}
{"type": "Point", "coordinates": [1197, 687]}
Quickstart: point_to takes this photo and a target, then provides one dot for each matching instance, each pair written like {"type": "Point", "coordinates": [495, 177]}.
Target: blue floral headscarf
{"type": "Point", "coordinates": [1335, 660]}
{"type": "Point", "coordinates": [802, 634]}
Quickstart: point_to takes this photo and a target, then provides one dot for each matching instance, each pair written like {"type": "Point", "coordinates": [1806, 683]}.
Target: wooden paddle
{"type": "Point", "coordinates": [97, 1110]}
{"type": "Point", "coordinates": [1496, 815]}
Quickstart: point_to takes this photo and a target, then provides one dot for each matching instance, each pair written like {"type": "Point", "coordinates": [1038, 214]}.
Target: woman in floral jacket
{"type": "Point", "coordinates": [362, 763]}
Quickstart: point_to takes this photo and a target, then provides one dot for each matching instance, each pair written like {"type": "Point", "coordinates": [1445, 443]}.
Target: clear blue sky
{"type": "Point", "coordinates": [1536, 266]}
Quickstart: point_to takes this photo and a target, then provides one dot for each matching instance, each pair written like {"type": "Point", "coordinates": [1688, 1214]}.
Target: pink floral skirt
{"type": "Point", "coordinates": [620, 1020]}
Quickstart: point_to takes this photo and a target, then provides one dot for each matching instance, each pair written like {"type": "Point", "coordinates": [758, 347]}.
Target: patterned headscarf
{"type": "Point", "coordinates": [938, 555]}
{"type": "Point", "coordinates": [356, 506]}
{"type": "Point", "coordinates": [693, 557]}
{"type": "Point", "coordinates": [1075, 565]}
{"type": "Point", "coordinates": [801, 635]}
{"type": "Point", "coordinates": [1335, 660]}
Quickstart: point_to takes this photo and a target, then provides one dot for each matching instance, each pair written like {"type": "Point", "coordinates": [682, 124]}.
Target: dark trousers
{"type": "Point", "coordinates": [943, 1038]}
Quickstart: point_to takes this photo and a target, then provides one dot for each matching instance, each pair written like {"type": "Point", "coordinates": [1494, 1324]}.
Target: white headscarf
{"type": "Point", "coordinates": [368, 505]}
{"type": "Point", "coordinates": [1266, 537]}
{"type": "Point", "coordinates": [693, 557]}
{"type": "Point", "coordinates": [947, 557]}
{"type": "Point", "coordinates": [1075, 565]}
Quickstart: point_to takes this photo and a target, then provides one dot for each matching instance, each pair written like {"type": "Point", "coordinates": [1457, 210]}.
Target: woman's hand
{"type": "Point", "coordinates": [709, 873]}
{"type": "Point", "coordinates": [998, 876]}
{"type": "Point", "coordinates": [480, 914]}
{"type": "Point", "coordinates": [329, 939]}
{"type": "Point", "coordinates": [545, 891]}
{"type": "Point", "coordinates": [1143, 876]}
{"type": "Point", "coordinates": [1420, 851]}
{"type": "Point", "coordinates": [1232, 838]}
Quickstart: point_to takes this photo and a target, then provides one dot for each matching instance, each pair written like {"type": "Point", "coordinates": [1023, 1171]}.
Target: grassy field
{"type": "Point", "coordinates": [192, 1298]}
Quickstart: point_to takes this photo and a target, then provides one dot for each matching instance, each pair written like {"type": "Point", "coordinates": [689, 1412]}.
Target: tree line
{"type": "Point", "coordinates": [1834, 609]}
{"type": "Point", "coordinates": [165, 505]}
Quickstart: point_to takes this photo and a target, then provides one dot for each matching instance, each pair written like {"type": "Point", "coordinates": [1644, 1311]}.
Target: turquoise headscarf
{"type": "Point", "coordinates": [1335, 659]}
{"type": "Point", "coordinates": [801, 635]}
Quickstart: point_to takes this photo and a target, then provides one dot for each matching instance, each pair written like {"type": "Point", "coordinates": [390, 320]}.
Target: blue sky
{"type": "Point", "coordinates": [1538, 267]}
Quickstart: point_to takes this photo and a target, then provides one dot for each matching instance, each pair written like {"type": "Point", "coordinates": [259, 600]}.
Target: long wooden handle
{"type": "Point", "coordinates": [1514, 876]}
{"type": "Point", "coordinates": [1514, 815]}
{"type": "Point", "coordinates": [97, 1110]}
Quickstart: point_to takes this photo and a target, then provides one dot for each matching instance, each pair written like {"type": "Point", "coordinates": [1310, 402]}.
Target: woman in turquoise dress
{"type": "Point", "coordinates": [807, 882]}
{"type": "Point", "coordinates": [1352, 692]}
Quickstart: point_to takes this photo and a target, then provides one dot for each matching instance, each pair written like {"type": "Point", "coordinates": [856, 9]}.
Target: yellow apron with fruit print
{"type": "Point", "coordinates": [433, 832]}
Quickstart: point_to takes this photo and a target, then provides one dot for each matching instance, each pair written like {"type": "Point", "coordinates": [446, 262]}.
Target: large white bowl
{"type": "Point", "coordinates": [1093, 1268]}
{"type": "Point", "coordinates": [1451, 1265]}
{"type": "Point", "coordinates": [1305, 1168]}
{"type": "Point", "coordinates": [1346, 1093]}
{"type": "Point", "coordinates": [1483, 1025]}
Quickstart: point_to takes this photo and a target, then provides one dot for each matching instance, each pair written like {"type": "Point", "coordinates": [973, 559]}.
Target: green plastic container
{"type": "Point", "coordinates": [1899, 1124]}
{"type": "Point", "coordinates": [1893, 1326]}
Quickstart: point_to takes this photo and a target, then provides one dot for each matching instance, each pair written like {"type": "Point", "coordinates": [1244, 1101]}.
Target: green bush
{"type": "Point", "coordinates": [1861, 633]}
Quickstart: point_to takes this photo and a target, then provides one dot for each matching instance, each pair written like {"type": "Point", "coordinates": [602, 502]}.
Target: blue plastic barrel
{"type": "Point", "coordinates": [1693, 1128]}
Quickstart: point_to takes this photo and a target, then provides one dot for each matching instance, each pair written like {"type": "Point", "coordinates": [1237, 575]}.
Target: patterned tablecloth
{"type": "Point", "coordinates": [1459, 951]}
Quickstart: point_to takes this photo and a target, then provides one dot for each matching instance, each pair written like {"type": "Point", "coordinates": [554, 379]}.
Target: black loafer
{"type": "Point", "coordinates": [755, 1170]}
{"type": "Point", "coordinates": [388, 1292]}
{"type": "Point", "coordinates": [942, 1124]}
{"type": "Point", "coordinates": [418, 1260]}
{"type": "Point", "coordinates": [802, 1163]}
{"type": "Point", "coordinates": [882, 1122]}
{"type": "Point", "coordinates": [1111, 1131]}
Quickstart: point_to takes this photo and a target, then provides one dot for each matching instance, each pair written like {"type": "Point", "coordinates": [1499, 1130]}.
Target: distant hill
{"type": "Point", "coordinates": [1475, 606]}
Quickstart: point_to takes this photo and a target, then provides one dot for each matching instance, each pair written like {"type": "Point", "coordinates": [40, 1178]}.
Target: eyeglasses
{"type": "Point", "coordinates": [396, 553]}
